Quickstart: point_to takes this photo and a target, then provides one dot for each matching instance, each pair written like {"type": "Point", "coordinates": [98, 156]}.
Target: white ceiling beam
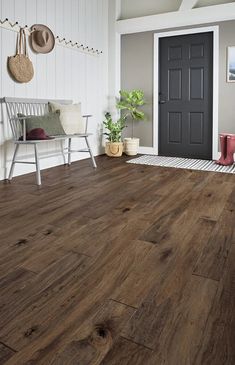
{"type": "Point", "coordinates": [187, 4]}
{"type": "Point", "coordinates": [209, 14]}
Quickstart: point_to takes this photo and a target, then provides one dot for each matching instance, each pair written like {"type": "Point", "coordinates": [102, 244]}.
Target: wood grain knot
{"type": "Point", "coordinates": [102, 334]}
{"type": "Point", "coordinates": [30, 331]}
{"type": "Point", "coordinates": [47, 232]}
{"type": "Point", "coordinates": [21, 241]}
{"type": "Point", "coordinates": [165, 254]}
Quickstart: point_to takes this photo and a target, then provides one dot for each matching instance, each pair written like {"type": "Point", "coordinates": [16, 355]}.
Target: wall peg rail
{"type": "Point", "coordinates": [76, 46]}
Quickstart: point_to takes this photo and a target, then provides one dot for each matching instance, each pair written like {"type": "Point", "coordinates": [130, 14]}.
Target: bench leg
{"type": "Point", "coordinates": [69, 151]}
{"type": "Point", "coordinates": [62, 151]}
{"type": "Point", "coordinates": [13, 162]}
{"type": "Point", "coordinates": [38, 172]}
{"type": "Point", "coordinates": [91, 154]}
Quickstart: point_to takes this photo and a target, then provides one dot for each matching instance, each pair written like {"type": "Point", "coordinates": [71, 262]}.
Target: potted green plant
{"type": "Point", "coordinates": [131, 102]}
{"type": "Point", "coordinates": [114, 146]}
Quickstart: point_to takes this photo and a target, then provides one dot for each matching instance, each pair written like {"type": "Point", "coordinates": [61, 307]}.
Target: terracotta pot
{"type": "Point", "coordinates": [131, 146]}
{"type": "Point", "coordinates": [114, 149]}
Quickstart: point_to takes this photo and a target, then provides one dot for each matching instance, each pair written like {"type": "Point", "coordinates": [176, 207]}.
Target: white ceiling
{"type": "Point", "coordinates": [137, 8]}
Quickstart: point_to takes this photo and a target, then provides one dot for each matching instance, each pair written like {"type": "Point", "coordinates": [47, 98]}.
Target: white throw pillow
{"type": "Point", "coordinates": [70, 117]}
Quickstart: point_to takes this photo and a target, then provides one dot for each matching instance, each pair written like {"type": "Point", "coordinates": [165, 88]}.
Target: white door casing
{"type": "Point", "coordinates": [215, 91]}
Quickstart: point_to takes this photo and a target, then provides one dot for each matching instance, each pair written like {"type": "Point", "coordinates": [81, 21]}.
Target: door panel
{"type": "Point", "coordinates": [175, 84]}
{"type": "Point", "coordinates": [196, 128]}
{"type": "Point", "coordinates": [175, 53]}
{"type": "Point", "coordinates": [196, 83]}
{"type": "Point", "coordinates": [196, 51]}
{"type": "Point", "coordinates": [175, 127]}
{"type": "Point", "coordinates": [185, 97]}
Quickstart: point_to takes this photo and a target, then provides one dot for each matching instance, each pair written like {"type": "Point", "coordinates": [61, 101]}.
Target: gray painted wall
{"type": "Point", "coordinates": [137, 73]}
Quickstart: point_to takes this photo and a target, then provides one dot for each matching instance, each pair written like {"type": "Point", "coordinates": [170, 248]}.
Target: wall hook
{"type": "Point", "coordinates": [15, 26]}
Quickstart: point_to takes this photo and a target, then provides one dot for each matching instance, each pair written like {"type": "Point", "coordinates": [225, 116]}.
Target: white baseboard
{"type": "Point", "coordinates": [2, 173]}
{"type": "Point", "coordinates": [57, 161]}
{"type": "Point", "coordinates": [147, 150]}
{"type": "Point", "coordinates": [45, 163]}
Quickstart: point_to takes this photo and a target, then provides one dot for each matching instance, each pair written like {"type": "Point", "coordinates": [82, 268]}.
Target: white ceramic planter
{"type": "Point", "coordinates": [131, 146]}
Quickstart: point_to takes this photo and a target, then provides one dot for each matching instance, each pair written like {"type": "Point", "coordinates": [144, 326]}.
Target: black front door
{"type": "Point", "coordinates": [185, 97]}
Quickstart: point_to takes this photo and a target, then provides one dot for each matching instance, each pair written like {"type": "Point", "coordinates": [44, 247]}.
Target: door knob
{"type": "Point", "coordinates": [162, 101]}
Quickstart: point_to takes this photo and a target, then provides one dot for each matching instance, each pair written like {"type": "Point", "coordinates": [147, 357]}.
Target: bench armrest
{"type": "Point", "coordinates": [87, 116]}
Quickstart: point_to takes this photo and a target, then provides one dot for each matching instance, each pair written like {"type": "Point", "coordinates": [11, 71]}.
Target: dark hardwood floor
{"type": "Point", "coordinates": [125, 265]}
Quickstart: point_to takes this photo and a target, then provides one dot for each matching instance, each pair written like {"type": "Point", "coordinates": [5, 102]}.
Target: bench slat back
{"type": "Point", "coordinates": [26, 107]}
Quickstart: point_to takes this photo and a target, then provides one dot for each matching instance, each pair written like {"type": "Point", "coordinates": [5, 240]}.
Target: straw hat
{"type": "Point", "coordinates": [42, 39]}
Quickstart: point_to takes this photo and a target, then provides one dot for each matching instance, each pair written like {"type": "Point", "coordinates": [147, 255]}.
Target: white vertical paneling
{"type": "Point", "coordinates": [51, 57]}
{"type": "Point", "coordinates": [19, 15]}
{"type": "Point", "coordinates": [104, 46]}
{"type": "Point", "coordinates": [63, 73]}
{"type": "Point", "coordinates": [67, 52]}
{"type": "Point", "coordinates": [41, 71]}
{"type": "Point", "coordinates": [8, 85]}
{"type": "Point", "coordinates": [8, 40]}
{"type": "Point", "coordinates": [30, 19]}
{"type": "Point", "coordinates": [2, 137]}
{"type": "Point", "coordinates": [75, 66]}
{"type": "Point", "coordinates": [60, 77]}
{"type": "Point", "coordinates": [82, 57]}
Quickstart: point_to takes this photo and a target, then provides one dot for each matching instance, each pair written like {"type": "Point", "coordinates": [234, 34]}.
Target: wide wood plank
{"type": "Point", "coordinates": [37, 292]}
{"type": "Point", "coordinates": [126, 264]}
{"type": "Point", "coordinates": [128, 353]}
{"type": "Point", "coordinates": [211, 262]}
{"type": "Point", "coordinates": [95, 337]}
{"type": "Point", "coordinates": [12, 285]}
{"type": "Point", "coordinates": [87, 290]}
{"type": "Point", "coordinates": [167, 302]}
{"type": "Point", "coordinates": [217, 345]}
{"type": "Point", "coordinates": [5, 353]}
{"type": "Point", "coordinates": [33, 251]}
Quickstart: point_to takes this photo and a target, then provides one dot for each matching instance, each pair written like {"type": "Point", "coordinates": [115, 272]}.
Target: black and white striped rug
{"type": "Point", "coordinates": [182, 163]}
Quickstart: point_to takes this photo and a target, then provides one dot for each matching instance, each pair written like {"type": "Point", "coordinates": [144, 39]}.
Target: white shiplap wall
{"type": "Point", "coordinates": [62, 74]}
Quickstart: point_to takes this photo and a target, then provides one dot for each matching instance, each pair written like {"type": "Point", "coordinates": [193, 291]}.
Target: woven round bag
{"type": "Point", "coordinates": [114, 149]}
{"type": "Point", "coordinates": [20, 66]}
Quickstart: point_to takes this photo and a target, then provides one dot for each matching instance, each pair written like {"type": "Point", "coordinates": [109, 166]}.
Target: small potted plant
{"type": "Point", "coordinates": [114, 146]}
{"type": "Point", "coordinates": [132, 101]}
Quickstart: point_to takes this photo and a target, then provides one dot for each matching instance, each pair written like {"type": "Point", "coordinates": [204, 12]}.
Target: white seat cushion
{"type": "Point", "coordinates": [70, 117]}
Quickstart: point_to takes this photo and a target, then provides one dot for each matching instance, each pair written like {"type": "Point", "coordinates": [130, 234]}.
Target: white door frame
{"type": "Point", "coordinates": [157, 36]}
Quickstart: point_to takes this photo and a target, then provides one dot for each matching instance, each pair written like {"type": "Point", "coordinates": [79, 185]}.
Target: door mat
{"type": "Point", "coordinates": [182, 163]}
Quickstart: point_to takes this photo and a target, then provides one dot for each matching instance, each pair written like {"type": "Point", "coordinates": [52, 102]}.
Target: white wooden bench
{"type": "Point", "coordinates": [38, 107]}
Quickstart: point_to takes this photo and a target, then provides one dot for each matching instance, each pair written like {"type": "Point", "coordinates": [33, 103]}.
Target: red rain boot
{"type": "Point", "coordinates": [230, 150]}
{"type": "Point", "coordinates": [223, 145]}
